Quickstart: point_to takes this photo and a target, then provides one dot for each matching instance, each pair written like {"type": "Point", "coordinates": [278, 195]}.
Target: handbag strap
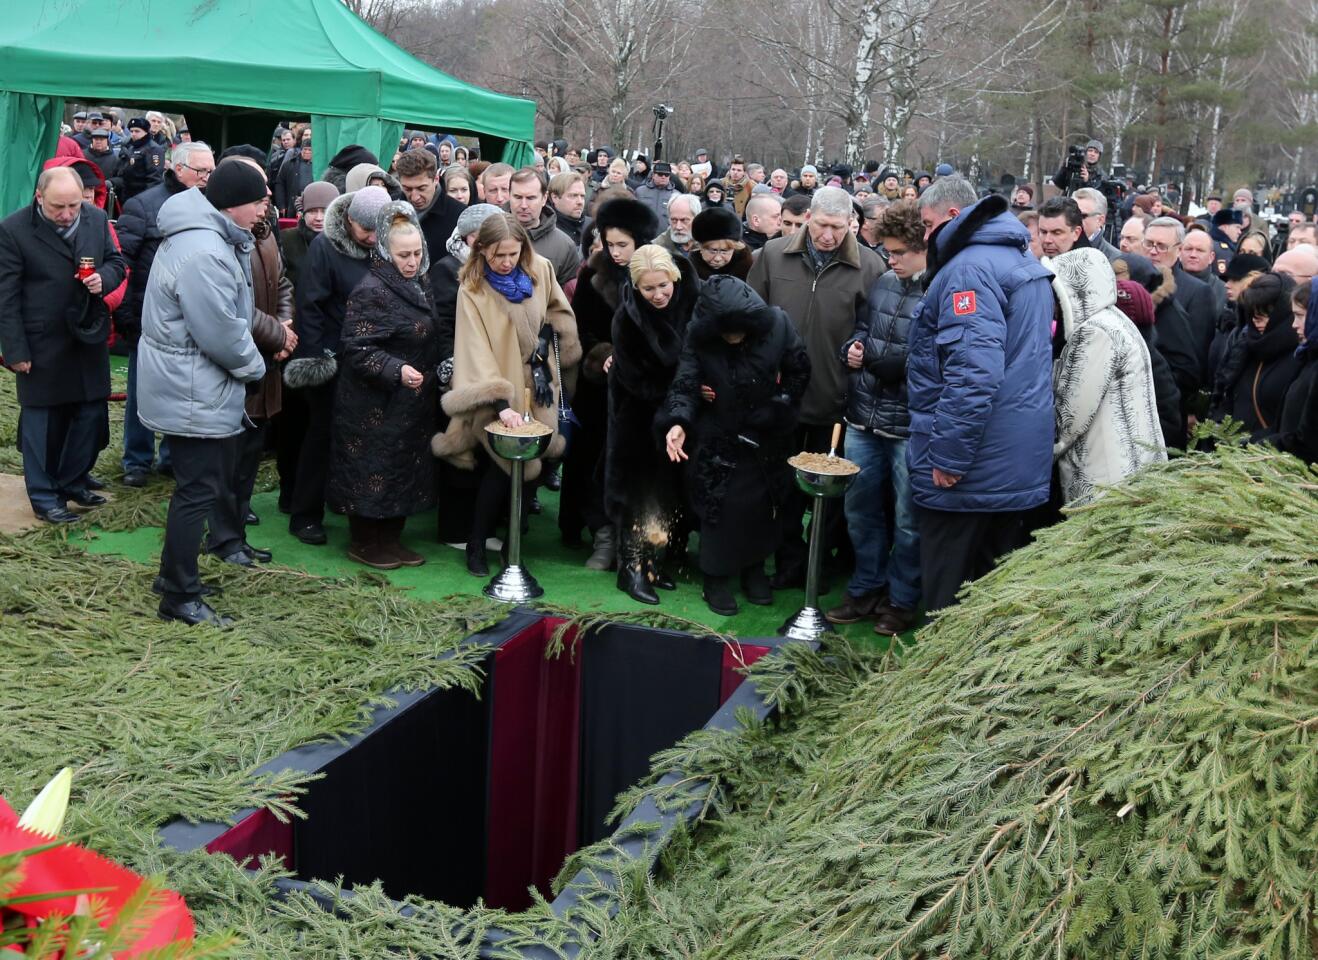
{"type": "Point", "coordinates": [558, 372]}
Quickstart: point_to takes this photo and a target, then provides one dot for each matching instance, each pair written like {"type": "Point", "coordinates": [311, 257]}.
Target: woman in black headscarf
{"type": "Point", "coordinates": [1260, 363]}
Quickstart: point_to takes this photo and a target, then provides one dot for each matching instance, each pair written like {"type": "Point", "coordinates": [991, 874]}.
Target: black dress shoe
{"type": "Point", "coordinates": [251, 520]}
{"type": "Point", "coordinates": [93, 483]}
{"type": "Point", "coordinates": [57, 515]}
{"type": "Point", "coordinates": [554, 480]}
{"type": "Point", "coordinates": [788, 577]}
{"type": "Point", "coordinates": [476, 563]}
{"type": "Point", "coordinates": [259, 555]}
{"type": "Point", "coordinates": [193, 613]}
{"type": "Point", "coordinates": [633, 582]}
{"type": "Point", "coordinates": [207, 589]}
{"type": "Point", "coordinates": [134, 478]}
{"type": "Point", "coordinates": [534, 507]}
{"type": "Point", "coordinates": [239, 558]}
{"type": "Point", "coordinates": [85, 498]}
{"type": "Point", "coordinates": [311, 533]}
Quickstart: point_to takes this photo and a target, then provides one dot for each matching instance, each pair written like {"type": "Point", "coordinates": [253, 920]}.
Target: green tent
{"type": "Point", "coordinates": [234, 67]}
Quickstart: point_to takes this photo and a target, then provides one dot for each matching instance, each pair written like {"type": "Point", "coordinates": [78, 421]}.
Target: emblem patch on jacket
{"type": "Point", "coordinates": [963, 302]}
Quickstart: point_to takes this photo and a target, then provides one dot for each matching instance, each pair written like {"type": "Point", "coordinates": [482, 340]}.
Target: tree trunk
{"type": "Point", "coordinates": [861, 86]}
{"type": "Point", "coordinates": [1160, 114]}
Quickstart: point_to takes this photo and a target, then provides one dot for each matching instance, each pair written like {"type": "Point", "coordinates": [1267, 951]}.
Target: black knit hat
{"type": "Point", "coordinates": [234, 183]}
{"type": "Point", "coordinates": [715, 223]}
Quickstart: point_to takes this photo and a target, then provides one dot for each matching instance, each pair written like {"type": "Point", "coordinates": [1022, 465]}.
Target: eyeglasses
{"type": "Point", "coordinates": [1157, 247]}
{"type": "Point", "coordinates": [203, 174]}
{"type": "Point", "coordinates": [717, 254]}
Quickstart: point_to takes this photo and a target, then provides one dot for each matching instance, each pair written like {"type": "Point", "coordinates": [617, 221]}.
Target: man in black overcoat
{"type": "Point", "coordinates": [53, 332]}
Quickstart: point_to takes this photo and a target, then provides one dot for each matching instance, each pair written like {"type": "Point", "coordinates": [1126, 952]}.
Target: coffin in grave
{"type": "Point", "coordinates": [457, 796]}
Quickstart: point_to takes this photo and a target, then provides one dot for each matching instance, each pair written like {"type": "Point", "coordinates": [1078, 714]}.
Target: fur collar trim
{"type": "Point", "coordinates": [336, 229]}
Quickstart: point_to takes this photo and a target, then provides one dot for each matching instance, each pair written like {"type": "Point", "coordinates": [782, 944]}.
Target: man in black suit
{"type": "Point", "coordinates": [53, 330]}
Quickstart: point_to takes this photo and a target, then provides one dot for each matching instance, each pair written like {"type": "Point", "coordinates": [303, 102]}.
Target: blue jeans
{"type": "Point", "coordinates": [139, 442]}
{"type": "Point", "coordinates": [879, 563]}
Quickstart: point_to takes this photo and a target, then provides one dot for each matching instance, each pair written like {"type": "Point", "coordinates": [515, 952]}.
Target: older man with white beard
{"type": "Point", "coordinates": [682, 211]}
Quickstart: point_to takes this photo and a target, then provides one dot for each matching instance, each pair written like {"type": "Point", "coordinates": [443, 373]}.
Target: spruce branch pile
{"type": "Point", "coordinates": [1108, 749]}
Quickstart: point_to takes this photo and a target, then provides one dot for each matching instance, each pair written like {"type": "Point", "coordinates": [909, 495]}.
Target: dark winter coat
{"type": "Point", "coordinates": [979, 371]}
{"type": "Point", "coordinates": [47, 317]}
{"type": "Point", "coordinates": [1257, 373]}
{"type": "Point", "coordinates": [876, 393]}
{"type": "Point", "coordinates": [111, 167]}
{"type": "Point", "coordinates": [293, 243]}
{"type": "Point", "coordinates": [444, 284]}
{"type": "Point", "coordinates": [343, 161]}
{"type": "Point", "coordinates": [438, 221]}
{"type": "Point", "coordinates": [646, 345]}
{"type": "Point", "coordinates": [140, 236]}
{"type": "Point", "coordinates": [739, 266]}
{"type": "Point", "coordinates": [598, 293]}
{"type": "Point", "coordinates": [737, 475]}
{"type": "Point", "coordinates": [1297, 429]}
{"type": "Point", "coordinates": [142, 166]}
{"type": "Point", "coordinates": [657, 199]}
{"type": "Point", "coordinates": [293, 176]}
{"type": "Point", "coordinates": [380, 463]}
{"type": "Point", "coordinates": [333, 267]}
{"type": "Point", "coordinates": [823, 306]}
{"type": "Point", "coordinates": [1197, 302]}
{"type": "Point", "coordinates": [572, 226]}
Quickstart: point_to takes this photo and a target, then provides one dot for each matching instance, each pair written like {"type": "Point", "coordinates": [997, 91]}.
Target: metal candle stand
{"type": "Point", "coordinates": [514, 583]}
{"type": "Point", "coordinates": [809, 623]}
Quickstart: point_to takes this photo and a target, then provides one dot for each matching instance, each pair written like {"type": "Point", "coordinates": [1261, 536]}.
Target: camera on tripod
{"type": "Point", "coordinates": [662, 111]}
{"type": "Point", "coordinates": [1075, 161]}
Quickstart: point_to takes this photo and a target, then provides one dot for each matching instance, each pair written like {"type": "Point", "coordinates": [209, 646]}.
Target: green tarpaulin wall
{"type": "Point", "coordinates": [235, 67]}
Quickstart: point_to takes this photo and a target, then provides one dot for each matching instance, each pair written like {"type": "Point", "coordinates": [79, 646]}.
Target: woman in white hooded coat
{"type": "Point", "coordinates": [1106, 416]}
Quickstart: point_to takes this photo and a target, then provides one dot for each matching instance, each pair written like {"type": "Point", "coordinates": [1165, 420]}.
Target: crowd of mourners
{"type": "Point", "coordinates": [680, 329]}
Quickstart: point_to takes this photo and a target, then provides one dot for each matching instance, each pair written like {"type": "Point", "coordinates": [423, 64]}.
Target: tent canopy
{"type": "Point", "coordinates": [287, 58]}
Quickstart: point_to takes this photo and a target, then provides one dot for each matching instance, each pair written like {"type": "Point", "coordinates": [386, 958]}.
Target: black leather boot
{"type": "Point", "coordinates": [633, 576]}
{"type": "Point", "coordinates": [718, 594]}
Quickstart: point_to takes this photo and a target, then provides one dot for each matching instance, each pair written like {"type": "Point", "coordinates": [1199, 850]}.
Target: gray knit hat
{"type": "Point", "coordinates": [318, 195]}
{"type": "Point", "coordinates": [366, 205]}
{"type": "Point", "coordinates": [470, 220]}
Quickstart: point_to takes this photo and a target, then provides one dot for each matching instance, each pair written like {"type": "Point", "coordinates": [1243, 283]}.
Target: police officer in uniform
{"type": "Point", "coordinates": [142, 160]}
{"type": "Point", "coordinates": [1225, 233]}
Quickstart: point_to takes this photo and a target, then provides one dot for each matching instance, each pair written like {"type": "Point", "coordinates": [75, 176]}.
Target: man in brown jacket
{"type": "Point", "coordinates": [820, 276]}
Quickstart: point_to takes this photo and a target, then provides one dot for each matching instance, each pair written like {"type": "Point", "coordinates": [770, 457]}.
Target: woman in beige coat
{"type": "Point", "coordinates": [509, 308]}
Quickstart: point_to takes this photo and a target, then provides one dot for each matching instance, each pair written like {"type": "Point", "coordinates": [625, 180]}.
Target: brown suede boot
{"type": "Point", "coordinates": [366, 547]}
{"type": "Point", "coordinates": [390, 532]}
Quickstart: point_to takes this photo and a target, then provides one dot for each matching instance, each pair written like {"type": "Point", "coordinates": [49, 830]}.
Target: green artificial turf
{"type": "Point", "coordinates": [559, 569]}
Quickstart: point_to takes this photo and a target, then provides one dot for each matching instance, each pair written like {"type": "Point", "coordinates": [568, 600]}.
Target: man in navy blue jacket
{"type": "Point", "coordinates": [979, 387]}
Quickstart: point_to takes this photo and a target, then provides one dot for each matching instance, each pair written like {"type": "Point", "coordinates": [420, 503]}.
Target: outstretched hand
{"type": "Point", "coordinates": [673, 443]}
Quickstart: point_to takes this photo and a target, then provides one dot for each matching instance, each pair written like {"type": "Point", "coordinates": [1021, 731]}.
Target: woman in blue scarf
{"type": "Point", "coordinates": [510, 307]}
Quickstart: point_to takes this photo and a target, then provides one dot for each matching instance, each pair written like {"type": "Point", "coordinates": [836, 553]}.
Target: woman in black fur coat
{"type": "Point", "coordinates": [755, 367]}
{"type": "Point", "coordinates": [642, 488]}
{"type": "Point", "coordinates": [623, 224]}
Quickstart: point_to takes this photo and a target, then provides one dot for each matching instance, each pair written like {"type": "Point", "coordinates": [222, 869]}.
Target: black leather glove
{"type": "Point", "coordinates": [541, 384]}
{"type": "Point", "coordinates": [544, 339]}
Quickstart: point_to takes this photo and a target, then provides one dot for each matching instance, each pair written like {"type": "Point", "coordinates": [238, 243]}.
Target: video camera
{"type": "Point", "coordinates": [662, 111]}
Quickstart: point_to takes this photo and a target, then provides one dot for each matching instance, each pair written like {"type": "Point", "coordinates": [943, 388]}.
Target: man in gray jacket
{"type": "Point", "coordinates": [195, 355]}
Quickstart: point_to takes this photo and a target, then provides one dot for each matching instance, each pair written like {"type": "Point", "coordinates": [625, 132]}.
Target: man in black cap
{"type": "Point", "coordinates": [108, 160]}
{"type": "Point", "coordinates": [657, 190]}
{"type": "Point", "coordinates": [142, 159]}
{"type": "Point", "coordinates": [195, 355]}
{"type": "Point", "coordinates": [53, 331]}
{"type": "Point", "coordinates": [82, 132]}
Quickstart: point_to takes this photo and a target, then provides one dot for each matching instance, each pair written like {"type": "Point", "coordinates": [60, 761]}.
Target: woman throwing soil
{"type": "Point", "coordinates": [642, 492]}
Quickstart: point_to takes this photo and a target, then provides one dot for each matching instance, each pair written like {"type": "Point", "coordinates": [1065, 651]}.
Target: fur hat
{"type": "Point", "coordinates": [1228, 215]}
{"type": "Point", "coordinates": [630, 216]}
{"type": "Point", "coordinates": [1242, 265]}
{"type": "Point", "coordinates": [140, 123]}
{"type": "Point", "coordinates": [715, 223]}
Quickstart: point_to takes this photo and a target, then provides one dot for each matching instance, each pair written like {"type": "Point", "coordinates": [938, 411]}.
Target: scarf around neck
{"type": "Point", "coordinates": [515, 287]}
